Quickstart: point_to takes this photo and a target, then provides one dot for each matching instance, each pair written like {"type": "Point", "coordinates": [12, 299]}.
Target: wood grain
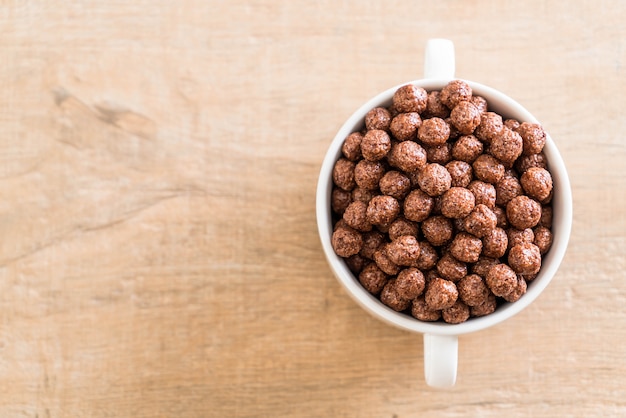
{"type": "Point", "coordinates": [159, 253]}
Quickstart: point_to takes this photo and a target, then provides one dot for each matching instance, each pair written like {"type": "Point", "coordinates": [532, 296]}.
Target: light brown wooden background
{"type": "Point", "coordinates": [159, 254]}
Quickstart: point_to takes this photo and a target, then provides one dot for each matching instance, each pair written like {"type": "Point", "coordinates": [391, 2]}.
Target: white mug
{"type": "Point", "coordinates": [441, 339]}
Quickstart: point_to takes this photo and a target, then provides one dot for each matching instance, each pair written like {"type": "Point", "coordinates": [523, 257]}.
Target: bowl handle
{"type": "Point", "coordinates": [439, 59]}
{"type": "Point", "coordinates": [440, 360]}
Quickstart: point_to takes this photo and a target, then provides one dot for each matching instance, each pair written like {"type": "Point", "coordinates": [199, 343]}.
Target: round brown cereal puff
{"type": "Point", "coordinates": [534, 137]}
{"type": "Point", "coordinates": [457, 202]}
{"type": "Point", "coordinates": [454, 92]}
{"type": "Point", "coordinates": [441, 294]}
{"type": "Point", "coordinates": [501, 280]}
{"type": "Point", "coordinates": [356, 216]}
{"type": "Point", "coordinates": [351, 147]}
{"type": "Point", "coordinates": [418, 206]}
{"type": "Point", "coordinates": [440, 154]}
{"type": "Point", "coordinates": [346, 241]}
{"type": "Point", "coordinates": [454, 132]}
{"type": "Point", "coordinates": [457, 313]}
{"type": "Point", "coordinates": [339, 200]}
{"type": "Point", "coordinates": [340, 224]}
{"type": "Point", "coordinates": [460, 172]}
{"type": "Point", "coordinates": [483, 265]}
{"type": "Point", "coordinates": [390, 297]}
{"type": "Point", "coordinates": [421, 311]}
{"type": "Point", "coordinates": [402, 226]}
{"type": "Point", "coordinates": [467, 148]}
{"type": "Point", "coordinates": [506, 146]}
{"type": "Point", "coordinates": [384, 263]}
{"type": "Point", "coordinates": [523, 212]}
{"type": "Point", "coordinates": [465, 117]}
{"type": "Point", "coordinates": [428, 257]}
{"type": "Point", "coordinates": [484, 193]}
{"type": "Point", "coordinates": [506, 189]}
{"type": "Point", "coordinates": [375, 145]}
{"type": "Point", "coordinates": [450, 268]}
{"type": "Point", "coordinates": [480, 221]}
{"type": "Point", "coordinates": [525, 258]}
{"type": "Point", "coordinates": [434, 107]}
{"type": "Point", "coordinates": [403, 251]}
{"type": "Point", "coordinates": [472, 290]}
{"type": "Point", "coordinates": [433, 132]}
{"type": "Point", "coordinates": [382, 210]}
{"type": "Point", "coordinates": [488, 169]}
{"type": "Point", "coordinates": [367, 174]}
{"type": "Point", "coordinates": [410, 283]}
{"type": "Point", "coordinates": [408, 156]}
{"type": "Point", "coordinates": [343, 174]}
{"type": "Point", "coordinates": [434, 179]}
{"type": "Point", "coordinates": [373, 279]}
{"type": "Point", "coordinates": [489, 127]}
{"type": "Point", "coordinates": [518, 292]}
{"type": "Point", "coordinates": [485, 308]}
{"type": "Point", "coordinates": [404, 126]}
{"type": "Point", "coordinates": [519, 236]}
{"type": "Point", "coordinates": [546, 216]}
{"type": "Point", "coordinates": [378, 118]}
{"type": "Point", "coordinates": [356, 263]}
{"type": "Point", "coordinates": [500, 213]}
{"type": "Point", "coordinates": [410, 98]}
{"type": "Point", "coordinates": [495, 243]}
{"type": "Point", "coordinates": [362, 195]}
{"type": "Point", "coordinates": [533, 160]}
{"type": "Point", "coordinates": [437, 230]}
{"type": "Point", "coordinates": [512, 124]}
{"type": "Point", "coordinates": [395, 184]}
{"type": "Point", "coordinates": [466, 248]}
{"type": "Point", "coordinates": [480, 103]}
{"type": "Point", "coordinates": [537, 183]}
{"type": "Point", "coordinates": [372, 241]}
{"type": "Point", "coordinates": [543, 239]}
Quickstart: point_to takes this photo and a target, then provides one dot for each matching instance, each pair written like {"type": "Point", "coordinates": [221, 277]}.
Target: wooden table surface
{"type": "Point", "coordinates": [159, 252]}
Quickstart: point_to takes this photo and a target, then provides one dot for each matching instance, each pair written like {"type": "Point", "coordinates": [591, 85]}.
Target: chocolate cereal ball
{"type": "Point", "coordinates": [433, 132]}
{"type": "Point", "coordinates": [343, 174]}
{"type": "Point", "coordinates": [465, 117]}
{"type": "Point", "coordinates": [523, 212]}
{"type": "Point", "coordinates": [404, 126]}
{"type": "Point", "coordinates": [484, 193]}
{"type": "Point", "coordinates": [373, 279]}
{"type": "Point", "coordinates": [519, 236]}
{"type": "Point", "coordinates": [506, 189]}
{"type": "Point", "coordinates": [375, 145]}
{"type": "Point", "coordinates": [339, 200]}
{"type": "Point", "coordinates": [384, 262]}
{"type": "Point", "coordinates": [437, 230]}
{"type": "Point", "coordinates": [467, 148]}
{"type": "Point", "coordinates": [407, 156]}
{"type": "Point", "coordinates": [506, 146]}
{"type": "Point", "coordinates": [382, 210]}
{"type": "Point", "coordinates": [421, 311]}
{"type": "Point", "coordinates": [395, 184]}
{"type": "Point", "coordinates": [440, 154]}
{"type": "Point", "coordinates": [534, 137]}
{"type": "Point", "coordinates": [356, 263]}
{"type": "Point", "coordinates": [360, 194]}
{"type": "Point", "coordinates": [480, 221]}
{"type": "Point", "coordinates": [543, 239]}
{"type": "Point", "coordinates": [428, 257]}
{"type": "Point", "coordinates": [460, 173]}
{"type": "Point", "coordinates": [390, 297]}
{"type": "Point", "coordinates": [472, 290]}
{"type": "Point", "coordinates": [501, 280]}
{"type": "Point", "coordinates": [483, 265]}
{"type": "Point", "coordinates": [512, 124]}
{"type": "Point", "coordinates": [410, 98]}
{"type": "Point", "coordinates": [402, 226]}
{"type": "Point", "coordinates": [418, 206]}
{"type": "Point", "coordinates": [525, 258]}
{"type": "Point", "coordinates": [434, 179]}
{"type": "Point", "coordinates": [546, 216]}
{"type": "Point", "coordinates": [441, 294]}
{"type": "Point", "coordinates": [486, 308]}
{"type": "Point", "coordinates": [356, 216]}
{"type": "Point", "coordinates": [489, 127]}
{"type": "Point", "coordinates": [367, 174]}
{"type": "Point", "coordinates": [488, 169]}
{"type": "Point", "coordinates": [500, 213]}
{"type": "Point", "coordinates": [434, 107]}
{"type": "Point", "coordinates": [454, 92]}
{"type": "Point", "coordinates": [533, 160]}
{"type": "Point", "coordinates": [466, 247]}
{"type": "Point", "coordinates": [410, 283]}
{"type": "Point", "coordinates": [495, 243]}
{"type": "Point", "coordinates": [346, 241]}
{"type": "Point", "coordinates": [372, 241]}
{"type": "Point", "coordinates": [351, 148]}
{"type": "Point", "coordinates": [537, 183]}
{"type": "Point", "coordinates": [403, 251]}
{"type": "Point", "coordinates": [457, 202]}
{"type": "Point", "coordinates": [480, 103]}
{"type": "Point", "coordinates": [457, 313]}
{"type": "Point", "coordinates": [378, 118]}
{"type": "Point", "coordinates": [518, 292]}
{"type": "Point", "coordinates": [450, 268]}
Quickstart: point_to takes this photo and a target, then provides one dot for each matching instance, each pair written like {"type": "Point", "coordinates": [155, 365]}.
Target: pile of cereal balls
{"type": "Point", "coordinates": [441, 208]}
